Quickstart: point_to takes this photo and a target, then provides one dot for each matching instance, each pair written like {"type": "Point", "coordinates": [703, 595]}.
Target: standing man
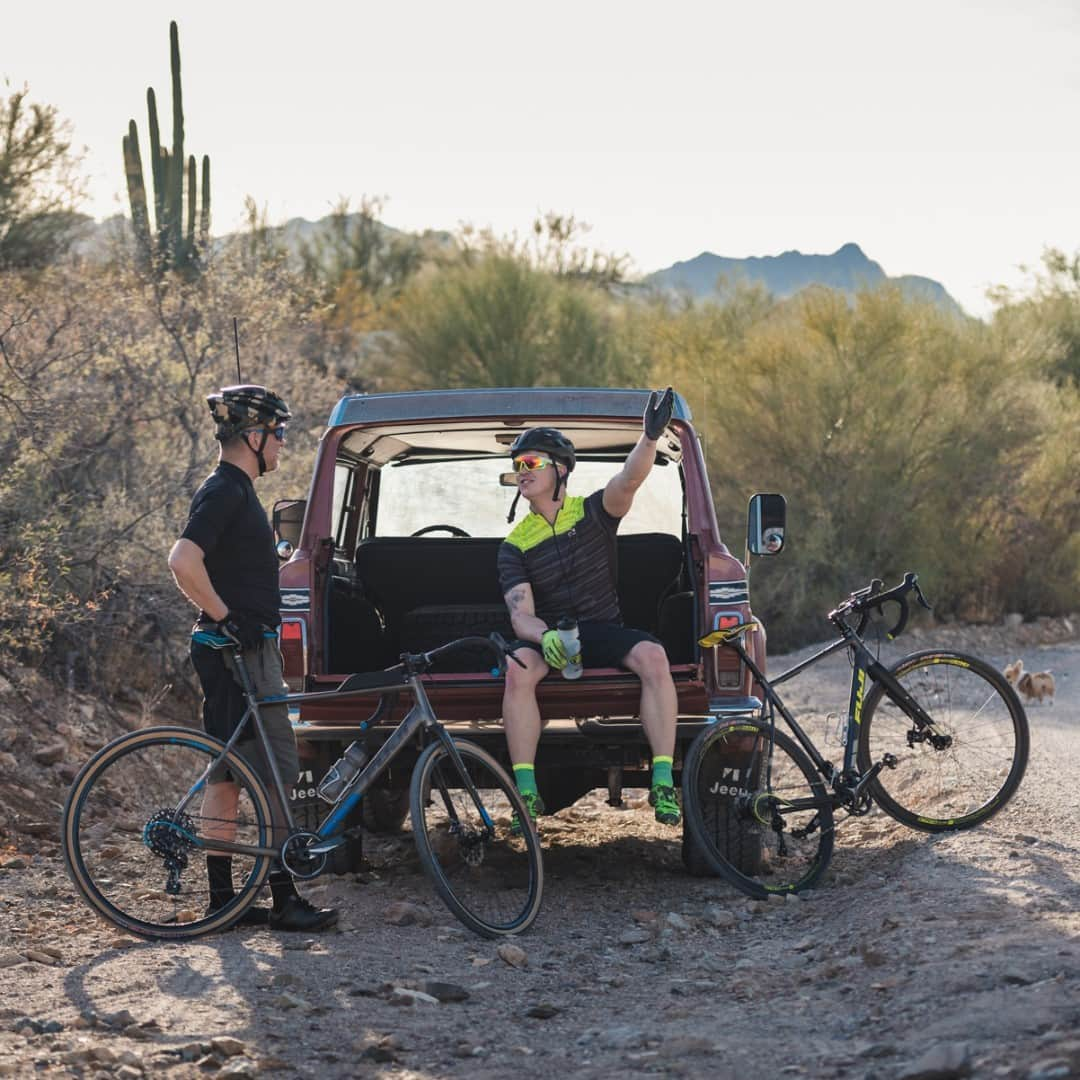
{"type": "Point", "coordinates": [225, 563]}
{"type": "Point", "coordinates": [561, 562]}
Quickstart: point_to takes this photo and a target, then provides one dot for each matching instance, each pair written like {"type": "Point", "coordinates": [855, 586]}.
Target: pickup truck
{"type": "Point", "coordinates": [394, 550]}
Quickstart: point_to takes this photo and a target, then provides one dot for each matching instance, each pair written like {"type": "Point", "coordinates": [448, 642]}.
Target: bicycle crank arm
{"type": "Point", "coordinates": [326, 846]}
{"type": "Point", "coordinates": [888, 761]}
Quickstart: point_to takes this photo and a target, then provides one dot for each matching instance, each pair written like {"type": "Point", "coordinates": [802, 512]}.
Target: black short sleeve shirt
{"type": "Point", "coordinates": [229, 524]}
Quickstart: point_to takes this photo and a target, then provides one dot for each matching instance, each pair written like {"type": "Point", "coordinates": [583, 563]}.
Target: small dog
{"type": "Point", "coordinates": [1034, 685]}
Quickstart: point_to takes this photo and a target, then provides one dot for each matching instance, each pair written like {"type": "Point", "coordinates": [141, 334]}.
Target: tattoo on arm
{"type": "Point", "coordinates": [515, 598]}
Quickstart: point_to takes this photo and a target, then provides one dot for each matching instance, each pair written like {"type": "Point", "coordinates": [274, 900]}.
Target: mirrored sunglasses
{"type": "Point", "coordinates": [530, 462]}
{"type": "Point", "coordinates": [278, 432]}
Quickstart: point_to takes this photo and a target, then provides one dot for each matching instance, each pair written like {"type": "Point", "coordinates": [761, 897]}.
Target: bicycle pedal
{"type": "Point", "coordinates": [889, 761]}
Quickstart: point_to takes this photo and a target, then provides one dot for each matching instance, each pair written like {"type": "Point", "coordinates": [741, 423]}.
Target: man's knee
{"type": "Point", "coordinates": [524, 679]}
{"type": "Point", "coordinates": [649, 661]}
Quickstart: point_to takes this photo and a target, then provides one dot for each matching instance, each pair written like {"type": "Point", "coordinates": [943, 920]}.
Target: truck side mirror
{"type": "Point", "coordinates": [288, 520]}
{"type": "Point", "coordinates": [765, 522]}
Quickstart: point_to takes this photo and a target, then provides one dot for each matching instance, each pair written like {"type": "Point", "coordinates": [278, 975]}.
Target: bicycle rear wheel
{"type": "Point", "coordinates": [757, 810]}
{"type": "Point", "coordinates": [136, 857]}
{"type": "Point", "coordinates": [490, 879]}
{"type": "Point", "coordinates": [964, 770]}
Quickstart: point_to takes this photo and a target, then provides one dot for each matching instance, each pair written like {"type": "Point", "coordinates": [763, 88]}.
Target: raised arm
{"type": "Point", "coordinates": [621, 488]}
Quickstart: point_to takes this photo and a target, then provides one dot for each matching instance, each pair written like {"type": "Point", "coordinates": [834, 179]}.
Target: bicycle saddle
{"type": "Point", "coordinates": [730, 633]}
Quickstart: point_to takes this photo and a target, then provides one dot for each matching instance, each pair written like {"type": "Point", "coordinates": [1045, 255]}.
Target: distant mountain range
{"type": "Point", "coordinates": [847, 269]}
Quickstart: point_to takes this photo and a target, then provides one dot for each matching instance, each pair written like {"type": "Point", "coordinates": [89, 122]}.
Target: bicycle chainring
{"type": "Point", "coordinates": [296, 858]}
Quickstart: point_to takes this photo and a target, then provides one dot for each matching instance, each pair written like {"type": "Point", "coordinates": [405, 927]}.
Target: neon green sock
{"type": "Point", "coordinates": [525, 776]}
{"type": "Point", "coordinates": [661, 771]}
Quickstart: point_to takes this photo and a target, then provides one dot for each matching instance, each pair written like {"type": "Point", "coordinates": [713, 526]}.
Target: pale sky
{"type": "Point", "coordinates": [939, 135]}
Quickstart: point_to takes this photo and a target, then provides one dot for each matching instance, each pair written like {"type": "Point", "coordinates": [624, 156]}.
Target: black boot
{"type": "Point", "coordinates": [291, 911]}
{"type": "Point", "coordinates": [219, 876]}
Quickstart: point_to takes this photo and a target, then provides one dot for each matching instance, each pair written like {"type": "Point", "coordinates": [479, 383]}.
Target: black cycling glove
{"type": "Point", "coordinates": [247, 632]}
{"type": "Point", "coordinates": [658, 413]}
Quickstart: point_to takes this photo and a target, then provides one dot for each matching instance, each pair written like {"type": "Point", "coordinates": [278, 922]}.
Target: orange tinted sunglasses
{"type": "Point", "coordinates": [530, 462]}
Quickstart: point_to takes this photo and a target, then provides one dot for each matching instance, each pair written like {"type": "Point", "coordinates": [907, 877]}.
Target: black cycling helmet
{"type": "Point", "coordinates": [237, 409]}
{"type": "Point", "coordinates": [545, 440]}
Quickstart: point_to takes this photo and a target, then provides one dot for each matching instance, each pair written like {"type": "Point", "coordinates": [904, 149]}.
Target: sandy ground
{"type": "Point", "coordinates": [916, 957]}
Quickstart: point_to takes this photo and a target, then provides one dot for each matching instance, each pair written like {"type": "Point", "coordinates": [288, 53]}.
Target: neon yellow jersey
{"type": "Point", "coordinates": [571, 564]}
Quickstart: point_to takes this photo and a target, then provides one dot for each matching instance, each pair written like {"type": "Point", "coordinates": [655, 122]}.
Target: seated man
{"type": "Point", "coordinates": [560, 563]}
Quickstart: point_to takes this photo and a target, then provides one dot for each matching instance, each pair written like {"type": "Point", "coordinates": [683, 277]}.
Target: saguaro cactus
{"type": "Point", "coordinates": [171, 244]}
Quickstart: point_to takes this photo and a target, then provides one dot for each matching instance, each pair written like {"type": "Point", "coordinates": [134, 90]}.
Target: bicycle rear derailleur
{"type": "Point", "coordinates": [170, 834]}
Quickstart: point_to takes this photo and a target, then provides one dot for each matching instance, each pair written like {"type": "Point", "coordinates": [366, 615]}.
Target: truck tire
{"type": "Point", "coordinates": [384, 810]}
{"type": "Point", "coordinates": [737, 841]}
{"type": "Point", "coordinates": [692, 856]}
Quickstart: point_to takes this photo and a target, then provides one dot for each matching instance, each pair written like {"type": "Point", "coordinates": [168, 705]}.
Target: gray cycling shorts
{"type": "Point", "coordinates": [224, 706]}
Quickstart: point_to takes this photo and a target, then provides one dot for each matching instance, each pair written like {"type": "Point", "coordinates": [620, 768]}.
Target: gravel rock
{"type": "Point", "coordinates": [512, 954]}
{"type": "Point", "coordinates": [405, 914]}
{"type": "Point", "coordinates": [445, 992]}
{"type": "Point", "coordinates": [948, 1061]}
{"type": "Point", "coordinates": [543, 1011]}
{"type": "Point", "coordinates": [227, 1046]}
{"type": "Point", "coordinates": [720, 917]}
{"type": "Point", "coordinates": [49, 755]}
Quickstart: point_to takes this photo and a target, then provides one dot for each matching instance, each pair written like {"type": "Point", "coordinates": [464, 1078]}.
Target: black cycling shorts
{"type": "Point", "coordinates": [603, 644]}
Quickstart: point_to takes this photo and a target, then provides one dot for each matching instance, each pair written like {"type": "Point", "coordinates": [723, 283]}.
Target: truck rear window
{"type": "Point", "coordinates": [467, 494]}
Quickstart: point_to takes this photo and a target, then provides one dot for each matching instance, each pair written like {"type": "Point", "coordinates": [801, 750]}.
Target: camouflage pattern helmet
{"type": "Point", "coordinates": [237, 409]}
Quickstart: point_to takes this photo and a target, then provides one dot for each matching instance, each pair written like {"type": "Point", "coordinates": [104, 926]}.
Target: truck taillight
{"type": "Point", "coordinates": [727, 667]}
{"type": "Point", "coordinates": [293, 639]}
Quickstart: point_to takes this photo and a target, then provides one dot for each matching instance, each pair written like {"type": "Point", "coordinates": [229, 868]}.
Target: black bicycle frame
{"type": "Point", "coordinates": [864, 664]}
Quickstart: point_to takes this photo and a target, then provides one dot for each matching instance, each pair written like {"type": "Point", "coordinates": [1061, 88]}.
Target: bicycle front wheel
{"type": "Point", "coordinates": [757, 810]}
{"type": "Point", "coordinates": [136, 854]}
{"type": "Point", "coordinates": [490, 878]}
{"type": "Point", "coordinates": [963, 769]}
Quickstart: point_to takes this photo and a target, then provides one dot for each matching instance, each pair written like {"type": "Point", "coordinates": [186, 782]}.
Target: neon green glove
{"type": "Point", "coordinates": [554, 653]}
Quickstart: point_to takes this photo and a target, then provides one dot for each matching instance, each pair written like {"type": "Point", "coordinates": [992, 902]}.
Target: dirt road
{"type": "Point", "coordinates": [917, 957]}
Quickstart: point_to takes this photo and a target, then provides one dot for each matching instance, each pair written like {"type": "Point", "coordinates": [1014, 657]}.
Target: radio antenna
{"type": "Point", "coordinates": [236, 341]}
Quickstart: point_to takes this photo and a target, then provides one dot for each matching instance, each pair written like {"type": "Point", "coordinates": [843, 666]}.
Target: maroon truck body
{"type": "Point", "coordinates": [354, 594]}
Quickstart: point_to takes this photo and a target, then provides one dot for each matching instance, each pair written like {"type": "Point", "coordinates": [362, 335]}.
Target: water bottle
{"type": "Point", "coordinates": [342, 772]}
{"type": "Point", "coordinates": [571, 643]}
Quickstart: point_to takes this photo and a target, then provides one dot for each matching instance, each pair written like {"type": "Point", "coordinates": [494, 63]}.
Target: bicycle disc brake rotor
{"type": "Point", "coordinates": [471, 845]}
{"type": "Point", "coordinates": [170, 834]}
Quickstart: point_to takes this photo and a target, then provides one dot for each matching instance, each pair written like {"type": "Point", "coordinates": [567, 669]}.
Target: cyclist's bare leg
{"type": "Point", "coordinates": [659, 701]}
{"type": "Point", "coordinates": [219, 810]}
{"type": "Point", "coordinates": [521, 713]}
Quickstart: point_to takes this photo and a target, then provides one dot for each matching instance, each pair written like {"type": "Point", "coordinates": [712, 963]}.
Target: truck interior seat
{"type": "Point", "coordinates": [415, 593]}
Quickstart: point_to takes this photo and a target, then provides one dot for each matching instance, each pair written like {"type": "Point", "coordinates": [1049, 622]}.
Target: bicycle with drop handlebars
{"type": "Point", "coordinates": [939, 742]}
{"type": "Point", "coordinates": [132, 823]}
